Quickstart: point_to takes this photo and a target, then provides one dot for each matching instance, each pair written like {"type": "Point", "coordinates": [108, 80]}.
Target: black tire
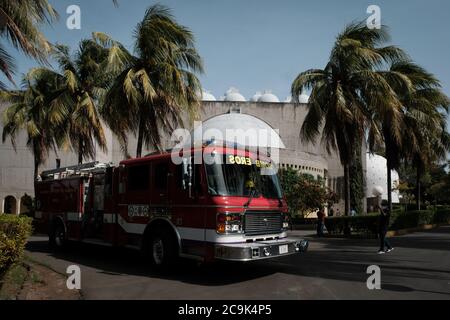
{"type": "Point", "coordinates": [162, 249]}
{"type": "Point", "coordinates": [57, 238]}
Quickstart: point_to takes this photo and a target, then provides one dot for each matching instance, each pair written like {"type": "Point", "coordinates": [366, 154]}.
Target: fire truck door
{"type": "Point", "coordinates": [159, 194]}
{"type": "Point", "coordinates": [93, 207]}
{"type": "Point", "coordinates": [190, 205]}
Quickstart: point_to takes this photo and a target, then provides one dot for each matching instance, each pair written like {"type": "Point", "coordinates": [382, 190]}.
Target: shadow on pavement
{"type": "Point", "coordinates": [337, 259]}
{"type": "Point", "coordinates": [120, 261]}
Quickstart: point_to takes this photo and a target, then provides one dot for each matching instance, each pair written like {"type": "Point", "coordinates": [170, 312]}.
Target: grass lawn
{"type": "Point", "coordinates": [29, 280]}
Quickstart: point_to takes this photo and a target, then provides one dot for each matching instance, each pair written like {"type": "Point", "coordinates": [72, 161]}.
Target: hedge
{"type": "Point", "coordinates": [399, 220]}
{"type": "Point", "coordinates": [411, 219]}
{"type": "Point", "coordinates": [356, 224]}
{"type": "Point", "coordinates": [14, 232]}
{"type": "Point", "coordinates": [442, 216]}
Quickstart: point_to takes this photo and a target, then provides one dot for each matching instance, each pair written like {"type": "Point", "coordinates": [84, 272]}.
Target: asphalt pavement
{"type": "Point", "coordinates": [418, 268]}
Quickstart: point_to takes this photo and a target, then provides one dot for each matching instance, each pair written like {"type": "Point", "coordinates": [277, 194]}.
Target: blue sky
{"type": "Point", "coordinates": [256, 45]}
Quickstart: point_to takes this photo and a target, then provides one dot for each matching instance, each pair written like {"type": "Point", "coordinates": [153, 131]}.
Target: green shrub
{"type": "Point", "coordinates": [357, 224]}
{"type": "Point", "coordinates": [411, 219]}
{"type": "Point", "coordinates": [399, 220]}
{"type": "Point", "coordinates": [442, 216]}
{"type": "Point", "coordinates": [301, 221]}
{"type": "Point", "coordinates": [14, 232]}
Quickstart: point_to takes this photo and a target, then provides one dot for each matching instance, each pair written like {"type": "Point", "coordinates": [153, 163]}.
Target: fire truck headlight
{"type": "Point", "coordinates": [220, 228]}
{"type": "Point", "coordinates": [229, 223]}
{"type": "Point", "coordinates": [285, 221]}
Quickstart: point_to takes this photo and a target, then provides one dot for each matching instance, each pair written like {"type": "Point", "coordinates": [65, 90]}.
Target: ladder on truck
{"type": "Point", "coordinates": [76, 170]}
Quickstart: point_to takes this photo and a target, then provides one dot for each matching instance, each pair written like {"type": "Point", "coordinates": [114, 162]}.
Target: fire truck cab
{"type": "Point", "coordinates": [231, 208]}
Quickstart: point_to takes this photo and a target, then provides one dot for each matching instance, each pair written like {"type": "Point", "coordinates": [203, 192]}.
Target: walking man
{"type": "Point", "coordinates": [320, 222]}
{"type": "Point", "coordinates": [385, 214]}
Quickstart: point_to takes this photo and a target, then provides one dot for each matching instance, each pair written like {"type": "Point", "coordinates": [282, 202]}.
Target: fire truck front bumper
{"type": "Point", "coordinates": [259, 250]}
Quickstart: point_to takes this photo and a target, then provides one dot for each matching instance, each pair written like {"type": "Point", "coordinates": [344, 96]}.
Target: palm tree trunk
{"type": "Point", "coordinates": [418, 187]}
{"type": "Point", "coordinates": [80, 150]}
{"type": "Point", "coordinates": [347, 230]}
{"type": "Point", "coordinates": [140, 137]}
{"type": "Point", "coordinates": [389, 187]}
{"type": "Point", "coordinates": [36, 168]}
{"type": "Point", "coordinates": [347, 188]}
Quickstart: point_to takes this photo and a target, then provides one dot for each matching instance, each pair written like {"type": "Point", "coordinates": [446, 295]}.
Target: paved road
{"type": "Point", "coordinates": [418, 268]}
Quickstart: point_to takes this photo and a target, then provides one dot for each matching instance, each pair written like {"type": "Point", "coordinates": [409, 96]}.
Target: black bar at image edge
{"type": "Point", "coordinates": [227, 309]}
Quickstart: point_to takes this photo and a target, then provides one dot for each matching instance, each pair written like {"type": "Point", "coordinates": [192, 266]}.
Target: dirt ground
{"type": "Point", "coordinates": [32, 281]}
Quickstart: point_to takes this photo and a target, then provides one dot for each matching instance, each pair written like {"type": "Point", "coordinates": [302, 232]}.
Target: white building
{"type": "Point", "coordinates": [376, 178]}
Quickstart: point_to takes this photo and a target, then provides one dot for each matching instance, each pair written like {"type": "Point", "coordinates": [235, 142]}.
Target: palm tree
{"type": "Point", "coordinates": [31, 109]}
{"type": "Point", "coordinates": [157, 84]}
{"type": "Point", "coordinates": [20, 26]}
{"type": "Point", "coordinates": [423, 122]}
{"type": "Point", "coordinates": [346, 92]}
{"type": "Point", "coordinates": [84, 85]}
{"type": "Point", "coordinates": [433, 147]}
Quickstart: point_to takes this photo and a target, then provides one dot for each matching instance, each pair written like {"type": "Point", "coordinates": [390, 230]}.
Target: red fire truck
{"type": "Point", "coordinates": [225, 210]}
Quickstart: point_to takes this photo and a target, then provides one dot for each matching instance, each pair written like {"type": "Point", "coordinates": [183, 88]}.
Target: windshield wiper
{"type": "Point", "coordinates": [280, 202]}
{"type": "Point", "coordinates": [252, 195]}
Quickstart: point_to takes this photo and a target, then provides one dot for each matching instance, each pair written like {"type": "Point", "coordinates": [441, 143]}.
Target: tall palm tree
{"type": "Point", "coordinates": [346, 92]}
{"type": "Point", "coordinates": [85, 83]}
{"type": "Point", "coordinates": [20, 21]}
{"type": "Point", "coordinates": [31, 109]}
{"type": "Point", "coordinates": [423, 122]}
{"type": "Point", "coordinates": [157, 84]}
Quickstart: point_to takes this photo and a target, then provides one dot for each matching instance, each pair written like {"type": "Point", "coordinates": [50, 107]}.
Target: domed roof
{"type": "Point", "coordinates": [245, 129]}
{"type": "Point", "coordinates": [376, 178]}
{"type": "Point", "coordinates": [207, 96]}
{"type": "Point", "coordinates": [268, 96]}
{"type": "Point", "coordinates": [256, 96]}
{"type": "Point", "coordinates": [233, 94]}
{"type": "Point", "coordinates": [303, 98]}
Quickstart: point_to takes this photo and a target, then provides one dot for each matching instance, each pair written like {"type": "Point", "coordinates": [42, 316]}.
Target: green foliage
{"type": "Point", "coordinates": [412, 219]}
{"type": "Point", "coordinates": [304, 193]}
{"type": "Point", "coordinates": [83, 85]}
{"type": "Point", "coordinates": [357, 224]}
{"type": "Point", "coordinates": [14, 232]}
{"type": "Point", "coordinates": [32, 110]}
{"type": "Point", "coordinates": [442, 216]}
{"type": "Point", "coordinates": [348, 91]}
{"type": "Point", "coordinates": [399, 220]}
{"type": "Point", "coordinates": [434, 184]}
{"type": "Point", "coordinates": [20, 27]}
{"type": "Point", "coordinates": [12, 281]}
{"type": "Point", "coordinates": [155, 86]}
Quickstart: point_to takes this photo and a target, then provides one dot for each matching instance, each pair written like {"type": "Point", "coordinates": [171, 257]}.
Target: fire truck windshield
{"type": "Point", "coordinates": [240, 176]}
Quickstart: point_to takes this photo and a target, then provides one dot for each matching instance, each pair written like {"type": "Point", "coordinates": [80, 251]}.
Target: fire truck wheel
{"type": "Point", "coordinates": [162, 249]}
{"type": "Point", "coordinates": [58, 236]}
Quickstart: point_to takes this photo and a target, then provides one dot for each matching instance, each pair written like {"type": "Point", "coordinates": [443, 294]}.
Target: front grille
{"type": "Point", "coordinates": [262, 222]}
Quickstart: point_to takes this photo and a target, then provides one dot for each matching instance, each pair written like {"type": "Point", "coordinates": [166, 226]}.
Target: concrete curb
{"type": "Point", "coordinates": [402, 232]}
{"type": "Point", "coordinates": [392, 233]}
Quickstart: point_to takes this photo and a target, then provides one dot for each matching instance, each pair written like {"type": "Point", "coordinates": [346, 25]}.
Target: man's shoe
{"type": "Point", "coordinates": [389, 250]}
{"type": "Point", "coordinates": [381, 252]}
